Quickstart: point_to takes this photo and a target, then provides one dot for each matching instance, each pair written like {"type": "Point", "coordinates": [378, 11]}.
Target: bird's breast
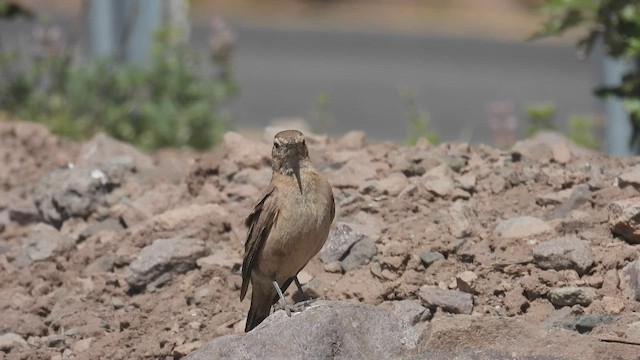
{"type": "Point", "coordinates": [300, 230]}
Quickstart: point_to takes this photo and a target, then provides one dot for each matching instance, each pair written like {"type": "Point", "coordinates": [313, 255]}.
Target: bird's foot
{"type": "Point", "coordinates": [283, 302]}
{"type": "Point", "coordinates": [286, 307]}
{"type": "Point", "coordinates": [303, 305]}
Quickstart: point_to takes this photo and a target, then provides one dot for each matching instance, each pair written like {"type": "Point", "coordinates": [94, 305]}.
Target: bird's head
{"type": "Point", "coordinates": [289, 151]}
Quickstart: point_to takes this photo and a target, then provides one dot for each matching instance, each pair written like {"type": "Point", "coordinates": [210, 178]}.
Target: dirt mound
{"type": "Point", "coordinates": [125, 255]}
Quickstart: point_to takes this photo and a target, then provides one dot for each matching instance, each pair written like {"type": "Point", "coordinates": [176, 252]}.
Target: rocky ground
{"type": "Point", "coordinates": [106, 252]}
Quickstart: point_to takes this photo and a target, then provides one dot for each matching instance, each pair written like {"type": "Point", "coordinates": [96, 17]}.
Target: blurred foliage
{"type": "Point", "coordinates": [541, 117]}
{"type": "Point", "coordinates": [581, 131]}
{"type": "Point", "coordinates": [11, 9]}
{"type": "Point", "coordinates": [419, 121]}
{"type": "Point", "coordinates": [167, 103]}
{"type": "Point", "coordinates": [617, 24]}
{"type": "Point", "coordinates": [320, 113]}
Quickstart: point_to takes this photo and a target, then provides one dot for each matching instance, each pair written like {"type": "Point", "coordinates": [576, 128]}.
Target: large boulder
{"type": "Point", "coordinates": [335, 330]}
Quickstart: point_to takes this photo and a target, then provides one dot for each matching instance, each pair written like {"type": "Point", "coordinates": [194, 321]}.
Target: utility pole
{"type": "Point", "coordinates": [618, 126]}
{"type": "Point", "coordinates": [126, 28]}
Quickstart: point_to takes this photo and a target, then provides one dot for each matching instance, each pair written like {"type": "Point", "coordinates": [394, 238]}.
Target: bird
{"type": "Point", "coordinates": [288, 226]}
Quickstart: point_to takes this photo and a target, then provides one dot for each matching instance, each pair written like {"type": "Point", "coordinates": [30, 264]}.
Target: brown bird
{"type": "Point", "coordinates": [287, 227]}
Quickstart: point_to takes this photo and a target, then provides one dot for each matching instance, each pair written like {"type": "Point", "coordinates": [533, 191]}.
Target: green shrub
{"type": "Point", "coordinates": [168, 103]}
{"type": "Point", "coordinates": [617, 24]}
{"type": "Point", "coordinates": [419, 121]}
{"type": "Point", "coordinates": [581, 131]}
{"type": "Point", "coordinates": [541, 117]}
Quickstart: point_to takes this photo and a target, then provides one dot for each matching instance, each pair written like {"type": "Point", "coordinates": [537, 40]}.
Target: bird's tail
{"type": "Point", "coordinates": [261, 301]}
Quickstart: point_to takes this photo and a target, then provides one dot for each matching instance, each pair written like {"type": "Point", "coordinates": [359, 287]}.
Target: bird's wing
{"type": "Point", "coordinates": [260, 222]}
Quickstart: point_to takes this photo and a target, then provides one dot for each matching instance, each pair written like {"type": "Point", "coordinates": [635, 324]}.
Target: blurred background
{"type": "Point", "coordinates": [180, 73]}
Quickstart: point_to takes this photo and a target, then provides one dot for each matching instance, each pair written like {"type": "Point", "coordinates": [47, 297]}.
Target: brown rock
{"type": "Point", "coordinates": [461, 219]}
{"type": "Point", "coordinates": [515, 303]}
{"type": "Point", "coordinates": [452, 301]}
{"type": "Point", "coordinates": [10, 340]}
{"type": "Point", "coordinates": [630, 178]}
{"type": "Point", "coordinates": [392, 185]}
{"type": "Point", "coordinates": [564, 253]}
{"type": "Point", "coordinates": [352, 140]}
{"type": "Point", "coordinates": [561, 152]}
{"type": "Point", "coordinates": [165, 255]}
{"type": "Point", "coordinates": [521, 227]}
{"type": "Point", "coordinates": [466, 282]}
{"type": "Point", "coordinates": [102, 149]}
{"type": "Point", "coordinates": [245, 153]}
{"type": "Point", "coordinates": [353, 173]}
{"type": "Point", "coordinates": [82, 345]}
{"type": "Point", "coordinates": [624, 219]}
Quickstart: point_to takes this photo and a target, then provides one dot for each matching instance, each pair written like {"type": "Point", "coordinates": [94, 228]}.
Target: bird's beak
{"type": "Point", "coordinates": [296, 173]}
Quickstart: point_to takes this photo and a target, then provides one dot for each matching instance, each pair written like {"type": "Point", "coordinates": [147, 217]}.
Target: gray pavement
{"type": "Point", "coordinates": [281, 72]}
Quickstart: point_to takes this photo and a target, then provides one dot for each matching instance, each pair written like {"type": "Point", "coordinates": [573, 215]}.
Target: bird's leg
{"type": "Point", "coordinates": [306, 300]}
{"type": "Point", "coordinates": [283, 302]}
{"type": "Point", "coordinates": [299, 286]}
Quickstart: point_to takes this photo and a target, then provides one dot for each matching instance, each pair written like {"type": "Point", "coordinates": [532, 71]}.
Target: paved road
{"type": "Point", "coordinates": [282, 71]}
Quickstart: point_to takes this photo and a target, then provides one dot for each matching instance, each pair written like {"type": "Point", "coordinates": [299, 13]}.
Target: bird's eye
{"type": "Point", "coordinates": [276, 145]}
{"type": "Point", "coordinates": [303, 142]}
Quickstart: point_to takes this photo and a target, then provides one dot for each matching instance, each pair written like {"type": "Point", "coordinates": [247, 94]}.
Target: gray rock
{"type": "Point", "coordinates": [314, 289]}
{"type": "Point", "coordinates": [631, 280]}
{"type": "Point", "coordinates": [587, 322]}
{"type": "Point", "coordinates": [521, 227]}
{"type": "Point", "coordinates": [563, 316]}
{"type": "Point", "coordinates": [103, 149]}
{"type": "Point", "coordinates": [461, 219]}
{"type": "Point", "coordinates": [466, 182]}
{"type": "Point", "coordinates": [624, 219]}
{"type": "Point", "coordinates": [159, 282]}
{"type": "Point", "coordinates": [453, 301]}
{"type": "Point", "coordinates": [410, 311]}
{"type": "Point", "coordinates": [630, 178]}
{"type": "Point", "coordinates": [554, 198]}
{"type": "Point", "coordinates": [533, 149]}
{"type": "Point", "coordinates": [633, 331]}
{"type": "Point", "coordinates": [360, 254]}
{"type": "Point", "coordinates": [24, 213]}
{"type": "Point", "coordinates": [391, 185]}
{"type": "Point", "coordinates": [10, 340]}
{"type": "Point", "coordinates": [45, 243]}
{"type": "Point", "coordinates": [438, 185]}
{"type": "Point", "coordinates": [117, 302]}
{"type": "Point", "coordinates": [176, 255]}
{"type": "Point", "coordinates": [431, 257]}
{"type": "Point", "coordinates": [24, 324]}
{"type": "Point", "coordinates": [55, 341]}
{"type": "Point", "coordinates": [112, 225]}
{"type": "Point", "coordinates": [575, 319]}
{"type": "Point", "coordinates": [579, 195]}
{"type": "Point", "coordinates": [219, 258]}
{"type": "Point", "coordinates": [336, 330]}
{"type": "Point", "coordinates": [340, 240]}
{"type": "Point", "coordinates": [400, 162]}
{"type": "Point", "coordinates": [571, 295]}
{"type": "Point", "coordinates": [352, 173]}
{"type": "Point", "coordinates": [76, 191]}
{"type": "Point", "coordinates": [564, 253]}
{"type": "Point", "coordinates": [201, 294]}
{"type": "Point", "coordinates": [4, 219]}
{"type": "Point", "coordinates": [102, 264]}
